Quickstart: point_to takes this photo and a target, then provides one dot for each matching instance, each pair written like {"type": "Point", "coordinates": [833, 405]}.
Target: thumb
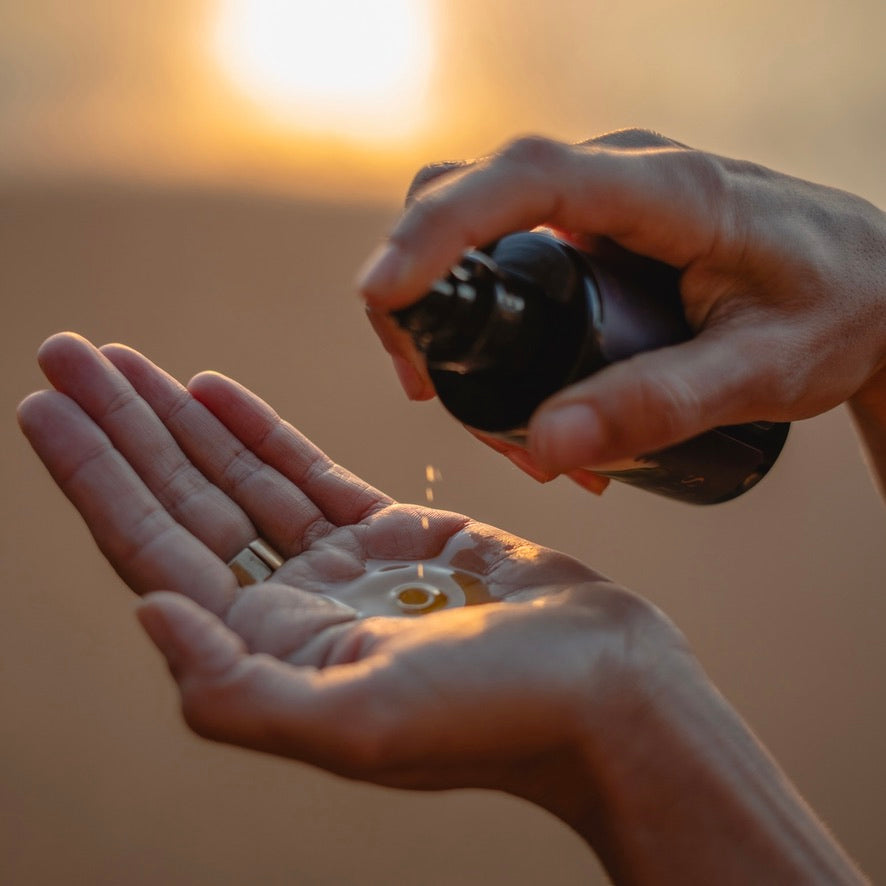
{"type": "Point", "coordinates": [325, 717]}
{"type": "Point", "coordinates": [647, 402]}
{"type": "Point", "coordinates": [194, 642]}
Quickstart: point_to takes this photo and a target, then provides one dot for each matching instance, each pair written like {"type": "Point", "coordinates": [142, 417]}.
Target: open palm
{"type": "Point", "coordinates": [174, 482]}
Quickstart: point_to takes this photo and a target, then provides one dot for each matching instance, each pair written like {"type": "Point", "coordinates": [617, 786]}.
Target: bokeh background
{"type": "Point", "coordinates": [201, 179]}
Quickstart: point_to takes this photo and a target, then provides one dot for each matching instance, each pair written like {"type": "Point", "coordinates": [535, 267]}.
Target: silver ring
{"type": "Point", "coordinates": [255, 563]}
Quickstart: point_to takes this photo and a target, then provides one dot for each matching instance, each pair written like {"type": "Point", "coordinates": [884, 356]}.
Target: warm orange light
{"type": "Point", "coordinates": [357, 69]}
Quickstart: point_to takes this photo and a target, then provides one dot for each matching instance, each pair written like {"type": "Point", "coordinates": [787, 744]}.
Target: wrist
{"type": "Point", "coordinates": [865, 280]}
{"type": "Point", "coordinates": [875, 259]}
{"type": "Point", "coordinates": [679, 790]}
{"type": "Point", "coordinates": [868, 410]}
{"type": "Point", "coordinates": [870, 398]}
{"type": "Point", "coordinates": [868, 404]}
{"type": "Point", "coordinates": [613, 645]}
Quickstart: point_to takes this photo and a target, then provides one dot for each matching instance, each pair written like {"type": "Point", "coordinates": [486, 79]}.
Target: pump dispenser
{"type": "Point", "coordinates": [518, 320]}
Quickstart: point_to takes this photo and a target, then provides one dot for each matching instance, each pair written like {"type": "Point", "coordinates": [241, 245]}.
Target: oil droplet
{"type": "Point", "coordinates": [432, 475]}
{"type": "Point", "coordinates": [390, 587]}
{"type": "Point", "coordinates": [418, 598]}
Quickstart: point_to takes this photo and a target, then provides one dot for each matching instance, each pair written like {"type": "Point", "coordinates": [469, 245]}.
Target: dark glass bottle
{"type": "Point", "coordinates": [522, 318]}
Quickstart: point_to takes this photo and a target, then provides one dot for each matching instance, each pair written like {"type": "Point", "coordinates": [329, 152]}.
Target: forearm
{"type": "Point", "coordinates": [685, 794]}
{"type": "Point", "coordinates": [868, 405]}
{"type": "Point", "coordinates": [868, 409]}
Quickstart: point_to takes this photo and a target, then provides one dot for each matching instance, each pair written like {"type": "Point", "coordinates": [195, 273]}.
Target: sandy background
{"type": "Point", "coordinates": [781, 593]}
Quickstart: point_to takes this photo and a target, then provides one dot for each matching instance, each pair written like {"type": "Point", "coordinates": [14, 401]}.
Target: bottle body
{"type": "Point", "coordinates": [521, 319]}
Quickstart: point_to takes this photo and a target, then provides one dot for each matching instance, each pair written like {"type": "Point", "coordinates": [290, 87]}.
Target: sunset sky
{"type": "Point", "coordinates": [348, 97]}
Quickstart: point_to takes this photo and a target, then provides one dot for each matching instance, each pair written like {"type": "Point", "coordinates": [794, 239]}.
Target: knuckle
{"type": "Point", "coordinates": [428, 211]}
{"type": "Point", "coordinates": [708, 174]}
{"type": "Point", "coordinates": [533, 152]}
{"type": "Point", "coordinates": [430, 173]}
{"type": "Point", "coordinates": [121, 401]}
{"type": "Point", "coordinates": [240, 469]}
{"type": "Point", "coordinates": [633, 137]}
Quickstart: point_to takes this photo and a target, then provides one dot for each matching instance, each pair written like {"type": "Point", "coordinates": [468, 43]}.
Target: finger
{"type": "Point", "coordinates": [80, 371]}
{"type": "Point", "coordinates": [634, 138]}
{"type": "Point", "coordinates": [524, 460]}
{"type": "Point", "coordinates": [256, 701]}
{"type": "Point", "coordinates": [589, 480]}
{"type": "Point", "coordinates": [517, 455]}
{"type": "Point", "coordinates": [142, 541]}
{"type": "Point", "coordinates": [409, 366]}
{"type": "Point", "coordinates": [189, 636]}
{"type": "Point", "coordinates": [663, 202]}
{"type": "Point", "coordinates": [433, 173]}
{"type": "Point", "coordinates": [620, 138]}
{"type": "Point", "coordinates": [281, 513]}
{"type": "Point", "coordinates": [343, 498]}
{"type": "Point", "coordinates": [653, 400]}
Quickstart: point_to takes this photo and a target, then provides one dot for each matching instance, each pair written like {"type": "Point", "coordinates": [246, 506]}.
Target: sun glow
{"type": "Point", "coordinates": [357, 69]}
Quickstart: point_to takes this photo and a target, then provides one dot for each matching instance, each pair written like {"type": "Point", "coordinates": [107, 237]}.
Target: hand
{"type": "Point", "coordinates": [781, 280]}
{"type": "Point", "coordinates": [565, 690]}
{"type": "Point", "coordinates": [174, 482]}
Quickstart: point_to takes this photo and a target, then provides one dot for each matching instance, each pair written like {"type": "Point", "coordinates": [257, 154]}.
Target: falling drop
{"type": "Point", "coordinates": [421, 570]}
{"type": "Point", "coordinates": [432, 474]}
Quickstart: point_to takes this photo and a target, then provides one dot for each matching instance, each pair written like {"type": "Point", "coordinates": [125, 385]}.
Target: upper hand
{"type": "Point", "coordinates": [781, 280]}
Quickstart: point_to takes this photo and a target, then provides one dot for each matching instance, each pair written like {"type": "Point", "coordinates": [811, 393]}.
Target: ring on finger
{"type": "Point", "coordinates": [255, 563]}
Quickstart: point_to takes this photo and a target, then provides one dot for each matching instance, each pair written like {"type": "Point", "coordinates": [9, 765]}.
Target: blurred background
{"type": "Point", "coordinates": [201, 179]}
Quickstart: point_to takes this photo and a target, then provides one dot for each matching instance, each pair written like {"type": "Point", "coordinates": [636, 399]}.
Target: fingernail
{"type": "Point", "coordinates": [409, 377]}
{"type": "Point", "coordinates": [383, 272]}
{"type": "Point", "coordinates": [523, 460]}
{"type": "Point", "coordinates": [565, 437]}
{"type": "Point", "coordinates": [589, 480]}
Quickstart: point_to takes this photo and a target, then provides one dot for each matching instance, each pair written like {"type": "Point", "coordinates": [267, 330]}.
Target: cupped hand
{"type": "Point", "coordinates": [781, 279]}
{"type": "Point", "coordinates": [173, 482]}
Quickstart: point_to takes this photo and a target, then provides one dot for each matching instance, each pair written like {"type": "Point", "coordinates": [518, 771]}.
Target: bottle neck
{"type": "Point", "coordinates": [470, 319]}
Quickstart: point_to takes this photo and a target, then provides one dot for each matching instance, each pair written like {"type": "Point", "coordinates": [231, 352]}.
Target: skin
{"type": "Point", "coordinates": [568, 691]}
{"type": "Point", "coordinates": [782, 281]}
